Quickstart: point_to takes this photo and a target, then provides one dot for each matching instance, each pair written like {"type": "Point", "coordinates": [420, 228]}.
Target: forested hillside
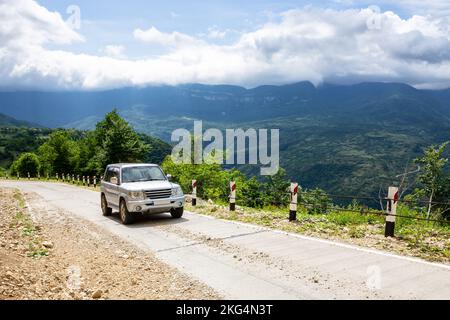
{"type": "Point", "coordinates": [352, 138]}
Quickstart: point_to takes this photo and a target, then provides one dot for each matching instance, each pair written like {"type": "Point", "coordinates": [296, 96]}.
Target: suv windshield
{"type": "Point", "coordinates": [138, 174]}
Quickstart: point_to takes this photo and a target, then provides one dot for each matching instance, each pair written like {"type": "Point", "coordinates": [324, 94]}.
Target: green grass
{"type": "Point", "coordinates": [427, 240]}
{"type": "Point", "coordinates": [29, 231]}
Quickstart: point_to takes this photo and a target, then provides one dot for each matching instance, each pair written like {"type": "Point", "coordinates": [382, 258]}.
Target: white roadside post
{"type": "Point", "coordinates": [78, 179]}
{"type": "Point", "coordinates": [18, 176]}
{"type": "Point", "coordinates": [194, 192]}
{"type": "Point", "coordinates": [293, 204]}
{"type": "Point", "coordinates": [57, 178]}
{"type": "Point", "coordinates": [73, 178]}
{"type": "Point", "coordinates": [39, 176]}
{"type": "Point", "coordinates": [95, 181]}
{"type": "Point", "coordinates": [88, 181]}
{"type": "Point", "coordinates": [28, 174]}
{"type": "Point", "coordinates": [84, 181]}
{"type": "Point", "coordinates": [233, 196]}
{"type": "Point", "coordinates": [391, 211]}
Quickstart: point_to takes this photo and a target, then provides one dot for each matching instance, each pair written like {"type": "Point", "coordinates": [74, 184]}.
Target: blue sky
{"type": "Point", "coordinates": [107, 22]}
{"type": "Point", "coordinates": [248, 43]}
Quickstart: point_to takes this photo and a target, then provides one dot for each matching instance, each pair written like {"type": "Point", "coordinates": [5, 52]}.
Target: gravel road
{"type": "Point", "coordinates": [241, 261]}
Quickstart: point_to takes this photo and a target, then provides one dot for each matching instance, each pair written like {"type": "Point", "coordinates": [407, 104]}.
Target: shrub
{"type": "Point", "coordinates": [26, 163]}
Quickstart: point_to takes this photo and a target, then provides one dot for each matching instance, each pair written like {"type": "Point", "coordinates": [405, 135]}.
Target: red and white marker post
{"type": "Point", "coordinates": [391, 210]}
{"type": "Point", "coordinates": [293, 204]}
{"type": "Point", "coordinates": [194, 192]}
{"type": "Point", "coordinates": [232, 195]}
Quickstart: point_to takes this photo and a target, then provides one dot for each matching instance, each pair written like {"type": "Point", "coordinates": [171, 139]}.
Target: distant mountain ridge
{"type": "Point", "coordinates": [222, 103]}
{"type": "Point", "coordinates": [7, 121]}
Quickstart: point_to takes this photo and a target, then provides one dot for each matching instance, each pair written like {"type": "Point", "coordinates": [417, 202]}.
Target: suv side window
{"type": "Point", "coordinates": [111, 172]}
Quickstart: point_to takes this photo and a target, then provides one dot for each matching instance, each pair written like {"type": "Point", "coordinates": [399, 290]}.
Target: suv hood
{"type": "Point", "coordinates": [148, 185]}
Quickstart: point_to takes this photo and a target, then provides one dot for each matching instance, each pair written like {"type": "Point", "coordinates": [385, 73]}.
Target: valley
{"type": "Point", "coordinates": [353, 139]}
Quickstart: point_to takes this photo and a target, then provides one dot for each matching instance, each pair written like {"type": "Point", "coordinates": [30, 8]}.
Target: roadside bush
{"type": "Point", "coordinates": [276, 189]}
{"type": "Point", "coordinates": [316, 201]}
{"type": "Point", "coordinates": [26, 163]}
{"type": "Point", "coordinates": [250, 194]}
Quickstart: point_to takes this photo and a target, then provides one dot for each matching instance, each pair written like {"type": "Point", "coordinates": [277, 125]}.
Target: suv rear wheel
{"type": "Point", "coordinates": [125, 216]}
{"type": "Point", "coordinates": [106, 211]}
{"type": "Point", "coordinates": [177, 213]}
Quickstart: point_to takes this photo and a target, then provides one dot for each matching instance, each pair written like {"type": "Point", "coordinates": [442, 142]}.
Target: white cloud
{"type": "Point", "coordinates": [214, 33]}
{"type": "Point", "coordinates": [154, 36]}
{"type": "Point", "coordinates": [305, 44]}
{"type": "Point", "coordinates": [114, 51]}
{"type": "Point", "coordinates": [25, 23]}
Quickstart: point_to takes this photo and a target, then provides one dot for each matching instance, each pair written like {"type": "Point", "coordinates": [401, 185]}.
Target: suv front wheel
{"type": "Point", "coordinates": [125, 216]}
{"type": "Point", "coordinates": [177, 213]}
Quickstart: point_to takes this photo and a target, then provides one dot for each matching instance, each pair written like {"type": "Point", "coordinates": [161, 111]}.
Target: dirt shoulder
{"type": "Point", "coordinates": [67, 258]}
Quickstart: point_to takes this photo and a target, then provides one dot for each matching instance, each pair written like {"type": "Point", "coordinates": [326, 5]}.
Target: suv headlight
{"type": "Point", "coordinates": [177, 192]}
{"type": "Point", "coordinates": [137, 195]}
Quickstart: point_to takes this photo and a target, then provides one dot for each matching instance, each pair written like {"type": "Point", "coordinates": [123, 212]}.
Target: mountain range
{"type": "Point", "coordinates": [343, 138]}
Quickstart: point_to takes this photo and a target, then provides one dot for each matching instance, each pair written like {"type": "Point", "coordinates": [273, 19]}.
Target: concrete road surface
{"type": "Point", "coordinates": [243, 261]}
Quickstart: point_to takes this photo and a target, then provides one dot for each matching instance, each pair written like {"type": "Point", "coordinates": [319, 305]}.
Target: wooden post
{"type": "Point", "coordinates": [194, 192]}
{"type": "Point", "coordinates": [293, 204]}
{"type": "Point", "coordinates": [391, 211]}
{"type": "Point", "coordinates": [232, 196]}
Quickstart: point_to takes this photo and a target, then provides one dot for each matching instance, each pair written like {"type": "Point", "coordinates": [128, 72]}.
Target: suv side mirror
{"type": "Point", "coordinates": [114, 180]}
{"type": "Point", "coordinates": [169, 177]}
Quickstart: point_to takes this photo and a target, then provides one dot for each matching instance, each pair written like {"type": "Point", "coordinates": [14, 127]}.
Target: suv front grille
{"type": "Point", "coordinates": [158, 194]}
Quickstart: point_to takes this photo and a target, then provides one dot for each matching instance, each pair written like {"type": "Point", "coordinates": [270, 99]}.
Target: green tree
{"type": "Point", "coordinates": [317, 201]}
{"type": "Point", "coordinates": [277, 188]}
{"type": "Point", "coordinates": [88, 149]}
{"type": "Point", "coordinates": [433, 178]}
{"type": "Point", "coordinates": [59, 154]}
{"type": "Point", "coordinates": [250, 193]}
{"type": "Point", "coordinates": [27, 163]}
{"type": "Point", "coordinates": [116, 142]}
{"type": "Point", "coordinates": [212, 180]}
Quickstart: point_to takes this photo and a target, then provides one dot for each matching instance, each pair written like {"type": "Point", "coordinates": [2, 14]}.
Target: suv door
{"type": "Point", "coordinates": [111, 189]}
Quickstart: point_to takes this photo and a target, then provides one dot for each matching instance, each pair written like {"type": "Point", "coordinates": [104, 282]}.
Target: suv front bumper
{"type": "Point", "coordinates": [156, 206]}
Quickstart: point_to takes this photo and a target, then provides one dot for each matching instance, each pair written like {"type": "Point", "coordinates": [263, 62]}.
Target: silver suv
{"type": "Point", "coordinates": [139, 188]}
